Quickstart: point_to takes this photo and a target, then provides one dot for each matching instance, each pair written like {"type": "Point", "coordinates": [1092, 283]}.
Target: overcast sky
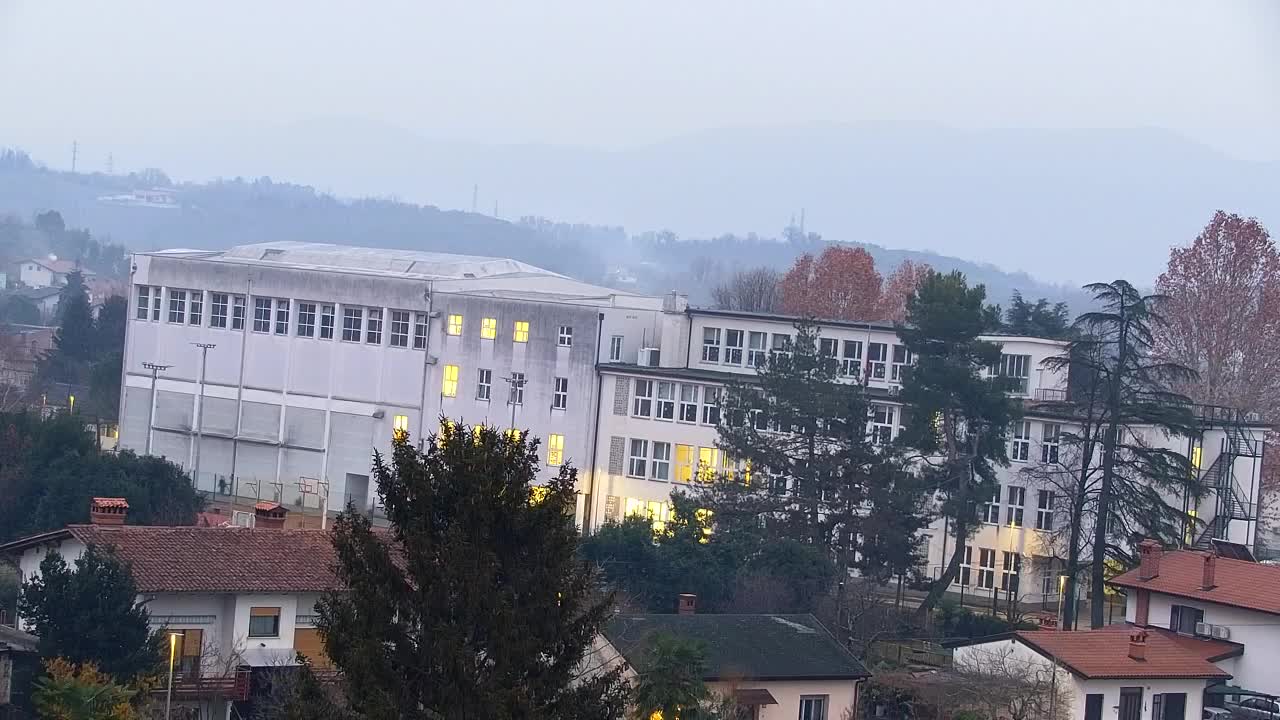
{"type": "Point", "coordinates": [613, 73]}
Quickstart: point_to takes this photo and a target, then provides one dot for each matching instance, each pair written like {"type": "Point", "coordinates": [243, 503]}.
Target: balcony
{"type": "Point", "coordinates": [194, 686]}
{"type": "Point", "coordinates": [1051, 395]}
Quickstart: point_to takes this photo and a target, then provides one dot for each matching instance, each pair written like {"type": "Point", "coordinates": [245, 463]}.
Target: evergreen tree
{"type": "Point", "coordinates": [1038, 319]}
{"type": "Point", "coordinates": [959, 418]}
{"type": "Point", "coordinates": [75, 339]}
{"type": "Point", "coordinates": [91, 614]}
{"type": "Point", "coordinates": [474, 604]}
{"type": "Point", "coordinates": [671, 685]}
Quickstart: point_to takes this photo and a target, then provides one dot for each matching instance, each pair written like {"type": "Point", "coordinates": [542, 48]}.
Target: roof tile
{"type": "Point", "coordinates": [1104, 653]}
{"type": "Point", "coordinates": [1239, 583]}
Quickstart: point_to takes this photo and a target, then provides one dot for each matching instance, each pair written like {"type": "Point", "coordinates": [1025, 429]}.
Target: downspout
{"type": "Point", "coordinates": [426, 363]}
{"type": "Point", "coordinates": [688, 342]}
{"type": "Point", "coordinates": [588, 508]}
{"type": "Point", "coordinates": [244, 343]}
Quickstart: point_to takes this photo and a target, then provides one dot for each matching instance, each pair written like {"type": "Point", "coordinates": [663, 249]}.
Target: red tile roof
{"type": "Point", "coordinates": [1104, 653]}
{"type": "Point", "coordinates": [219, 559]}
{"type": "Point", "coordinates": [267, 506]}
{"type": "Point", "coordinates": [111, 502]}
{"type": "Point", "coordinates": [1238, 583]}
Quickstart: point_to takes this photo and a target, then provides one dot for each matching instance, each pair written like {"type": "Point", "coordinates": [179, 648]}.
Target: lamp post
{"type": "Point", "coordinates": [204, 356]}
{"type": "Point", "coordinates": [516, 383]}
{"type": "Point", "coordinates": [155, 368]}
{"type": "Point", "coordinates": [168, 696]}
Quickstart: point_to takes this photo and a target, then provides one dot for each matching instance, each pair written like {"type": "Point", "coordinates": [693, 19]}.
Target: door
{"type": "Point", "coordinates": [1173, 706]}
{"type": "Point", "coordinates": [1130, 703]}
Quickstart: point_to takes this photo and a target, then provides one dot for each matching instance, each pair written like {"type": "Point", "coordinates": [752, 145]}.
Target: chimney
{"type": "Point", "coordinates": [686, 604]}
{"type": "Point", "coordinates": [1138, 645]}
{"type": "Point", "coordinates": [1210, 574]}
{"type": "Point", "coordinates": [1142, 616]}
{"type": "Point", "coordinates": [108, 511]}
{"type": "Point", "coordinates": [269, 515]}
{"type": "Point", "coordinates": [1148, 559]}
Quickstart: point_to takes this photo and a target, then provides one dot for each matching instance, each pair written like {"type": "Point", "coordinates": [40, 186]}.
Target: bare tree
{"type": "Point", "coordinates": [753, 290]}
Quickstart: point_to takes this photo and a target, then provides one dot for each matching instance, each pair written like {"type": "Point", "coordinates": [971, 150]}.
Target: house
{"type": "Point", "coordinates": [1116, 673]}
{"type": "Point", "coordinates": [1221, 594]}
{"type": "Point", "coordinates": [240, 598]}
{"type": "Point", "coordinates": [21, 347]}
{"type": "Point", "coordinates": [778, 667]}
{"type": "Point", "coordinates": [45, 299]}
{"type": "Point", "coordinates": [18, 667]}
{"type": "Point", "coordinates": [46, 272]}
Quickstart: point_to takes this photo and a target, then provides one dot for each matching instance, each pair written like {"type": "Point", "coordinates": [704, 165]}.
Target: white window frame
{"type": "Point", "coordinates": [518, 382]}
{"type": "Point", "coordinates": [814, 707]}
{"type": "Point", "coordinates": [328, 320]}
{"type": "Point", "coordinates": [688, 405]}
{"type": "Point", "coordinates": [660, 468]}
{"type": "Point", "coordinates": [637, 458]}
{"type": "Point", "coordinates": [991, 510]}
{"type": "Point", "coordinates": [565, 337]}
{"type": "Point", "coordinates": [1050, 442]}
{"type": "Point", "coordinates": [711, 405]}
{"type": "Point", "coordinates": [177, 306]}
{"type": "Point", "coordinates": [449, 381]}
{"type": "Point", "coordinates": [239, 311]}
{"type": "Point", "coordinates": [555, 449]}
{"type": "Point", "coordinates": [195, 307]}
{"type": "Point", "coordinates": [219, 305]}
{"type": "Point", "coordinates": [560, 395]}
{"type": "Point", "coordinates": [1016, 496]}
{"type": "Point", "coordinates": [986, 570]}
{"type": "Point", "coordinates": [711, 344]}
{"type": "Point", "coordinates": [399, 335]}
{"type": "Point", "coordinates": [306, 324]}
{"type": "Point", "coordinates": [851, 358]}
{"type": "Point", "coordinates": [877, 359]}
{"type": "Point", "coordinates": [665, 407]}
{"type": "Point", "coordinates": [902, 358]}
{"type": "Point", "coordinates": [757, 351]}
{"type": "Point", "coordinates": [1010, 567]}
{"type": "Point", "coordinates": [615, 348]}
{"type": "Point", "coordinates": [883, 424]}
{"type": "Point", "coordinates": [733, 352]}
{"type": "Point", "coordinates": [282, 316]}
{"type": "Point", "coordinates": [143, 310]}
{"type": "Point", "coordinates": [1020, 445]}
{"type": "Point", "coordinates": [1045, 500]}
{"type": "Point", "coordinates": [642, 402]}
{"type": "Point", "coordinates": [262, 314]}
{"type": "Point", "coordinates": [484, 384]}
{"type": "Point", "coordinates": [421, 321]}
{"type": "Point", "coordinates": [373, 327]}
{"type": "Point", "coordinates": [352, 323]}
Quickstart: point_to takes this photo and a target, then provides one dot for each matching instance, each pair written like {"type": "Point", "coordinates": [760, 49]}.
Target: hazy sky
{"type": "Point", "coordinates": [604, 72]}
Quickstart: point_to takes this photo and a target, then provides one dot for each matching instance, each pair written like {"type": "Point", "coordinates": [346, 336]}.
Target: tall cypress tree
{"type": "Point", "coordinates": [76, 336]}
{"type": "Point", "coordinates": [474, 604]}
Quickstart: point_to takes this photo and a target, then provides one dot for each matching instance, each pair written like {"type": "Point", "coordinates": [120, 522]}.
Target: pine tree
{"type": "Point", "coordinates": [474, 603]}
{"type": "Point", "coordinates": [75, 339]}
{"type": "Point", "coordinates": [958, 416]}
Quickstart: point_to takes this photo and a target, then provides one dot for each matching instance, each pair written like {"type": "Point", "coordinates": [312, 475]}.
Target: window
{"type": "Point", "coordinates": [986, 568]}
{"type": "Point", "coordinates": [1049, 583]}
{"type": "Point", "coordinates": [197, 307]}
{"type": "Point", "coordinates": [882, 423]}
{"type": "Point", "coordinates": [264, 622]}
{"type": "Point", "coordinates": [1093, 706]}
{"type": "Point", "coordinates": [455, 325]}
{"type": "Point", "coordinates": [177, 306]}
{"type": "Point", "coordinates": [661, 461]}
{"type": "Point", "coordinates": [420, 321]}
{"type": "Point", "coordinates": [1173, 706]}
{"type": "Point", "coordinates": [187, 651]}
{"type": "Point", "coordinates": [217, 310]}
{"type": "Point", "coordinates": [1050, 435]}
{"type": "Point", "coordinates": [306, 319]}
{"type": "Point", "coordinates": [488, 328]}
{"type": "Point", "coordinates": [1044, 510]}
{"type": "Point", "coordinates": [1183, 619]}
{"type": "Point", "coordinates": [399, 328]}
{"type": "Point", "coordinates": [710, 344]}
{"type": "Point", "coordinates": [733, 347]}
{"type": "Point", "coordinates": [813, 707]}
{"type": "Point", "coordinates": [449, 388]}
{"type": "Point", "coordinates": [638, 459]}
{"type": "Point", "coordinates": [560, 400]}
{"type": "Point", "coordinates": [684, 463]}
{"type": "Point", "coordinates": [521, 332]}
{"type": "Point", "coordinates": [1017, 498]}
{"type": "Point", "coordinates": [237, 312]}
{"type": "Point", "coordinates": [400, 426]}
{"type": "Point", "coordinates": [1009, 575]}
{"type": "Point", "coordinates": [643, 403]}
{"type": "Point", "coordinates": [374, 334]}
{"type": "Point", "coordinates": [484, 386]}
{"type": "Point", "coordinates": [555, 450]}
{"type": "Point", "coordinates": [851, 358]}
{"type": "Point", "coordinates": [262, 314]}
{"type": "Point", "coordinates": [780, 344]}
{"type": "Point", "coordinates": [689, 403]}
{"type": "Point", "coordinates": [352, 320]}
{"type": "Point", "coordinates": [566, 337]}
{"type": "Point", "coordinates": [615, 348]}
{"type": "Point", "coordinates": [326, 322]}
{"type": "Point", "coordinates": [144, 301]}
{"type": "Point", "coordinates": [877, 353]}
{"type": "Point", "coordinates": [516, 396]}
{"type": "Point", "coordinates": [1016, 368]}
{"type": "Point", "coordinates": [708, 463]}
{"type": "Point", "coordinates": [991, 512]}
{"type": "Point", "coordinates": [282, 317]}
{"type": "Point", "coordinates": [966, 566]}
{"type": "Point", "coordinates": [666, 401]}
{"type": "Point", "coordinates": [901, 359]}
{"type": "Point", "coordinates": [710, 406]}
{"type": "Point", "coordinates": [1020, 449]}
{"type": "Point", "coordinates": [756, 342]}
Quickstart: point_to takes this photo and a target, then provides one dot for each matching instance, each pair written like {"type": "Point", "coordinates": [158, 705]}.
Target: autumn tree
{"type": "Point", "coordinates": [1222, 314]}
{"type": "Point", "coordinates": [840, 284]}
{"type": "Point", "coordinates": [753, 290]}
{"type": "Point", "coordinates": [898, 288]}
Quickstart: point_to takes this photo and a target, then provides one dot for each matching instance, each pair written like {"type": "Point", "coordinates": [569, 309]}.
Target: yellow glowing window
{"type": "Point", "coordinates": [704, 520]}
{"type": "Point", "coordinates": [657, 513]}
{"type": "Point", "coordinates": [636, 507]}
{"type": "Point", "coordinates": [446, 428]}
{"type": "Point", "coordinates": [475, 432]}
{"type": "Point", "coordinates": [708, 462]}
{"type": "Point", "coordinates": [400, 427]}
{"type": "Point", "coordinates": [537, 494]}
{"type": "Point", "coordinates": [1195, 456]}
{"type": "Point", "coordinates": [455, 325]}
{"type": "Point", "coordinates": [684, 463]}
{"type": "Point", "coordinates": [521, 331]}
{"type": "Point", "coordinates": [489, 328]}
{"type": "Point", "coordinates": [513, 435]}
{"type": "Point", "coordinates": [449, 388]}
{"type": "Point", "coordinates": [555, 449]}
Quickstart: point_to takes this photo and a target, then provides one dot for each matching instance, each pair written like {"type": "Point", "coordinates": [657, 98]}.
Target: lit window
{"type": "Point", "coordinates": [514, 435]}
{"type": "Point", "coordinates": [521, 333]}
{"type": "Point", "coordinates": [399, 328]}
{"type": "Point", "coordinates": [177, 306]}
{"type": "Point", "coordinates": [566, 336]}
{"type": "Point", "coordinates": [708, 463]}
{"type": "Point", "coordinates": [555, 450]}
{"type": "Point", "coordinates": [560, 400]}
{"type": "Point", "coordinates": [373, 335]}
{"type": "Point", "coordinates": [326, 322]}
{"type": "Point", "coordinates": [352, 321]}
{"type": "Point", "coordinates": [484, 387]}
{"type": "Point", "coordinates": [446, 430]}
{"type": "Point", "coordinates": [684, 463]}
{"type": "Point", "coordinates": [400, 427]}
{"type": "Point", "coordinates": [537, 494]}
{"type": "Point", "coordinates": [264, 622]}
{"type": "Point", "coordinates": [638, 459]}
{"type": "Point", "coordinates": [489, 328]}
{"type": "Point", "coordinates": [306, 319]}
{"type": "Point", "coordinates": [455, 325]}
{"type": "Point", "coordinates": [450, 386]}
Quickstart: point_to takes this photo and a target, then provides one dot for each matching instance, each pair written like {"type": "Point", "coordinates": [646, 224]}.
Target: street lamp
{"type": "Point", "coordinates": [155, 368]}
{"type": "Point", "coordinates": [168, 696]}
{"type": "Point", "coordinates": [517, 385]}
{"type": "Point", "coordinates": [204, 356]}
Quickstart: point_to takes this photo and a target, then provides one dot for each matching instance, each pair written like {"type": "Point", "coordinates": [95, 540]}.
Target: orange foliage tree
{"type": "Point", "coordinates": [840, 284]}
{"type": "Point", "coordinates": [900, 285]}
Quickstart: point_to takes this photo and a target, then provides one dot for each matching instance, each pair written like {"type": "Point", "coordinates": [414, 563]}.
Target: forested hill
{"type": "Point", "coordinates": [231, 212]}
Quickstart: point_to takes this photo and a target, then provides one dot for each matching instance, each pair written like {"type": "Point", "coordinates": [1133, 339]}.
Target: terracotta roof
{"type": "Point", "coordinates": [111, 502]}
{"type": "Point", "coordinates": [219, 559]}
{"type": "Point", "coordinates": [267, 506]}
{"type": "Point", "coordinates": [1104, 653]}
{"type": "Point", "coordinates": [1239, 583]}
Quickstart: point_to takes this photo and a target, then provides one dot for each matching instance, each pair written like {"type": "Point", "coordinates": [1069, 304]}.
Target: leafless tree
{"type": "Point", "coordinates": [752, 290]}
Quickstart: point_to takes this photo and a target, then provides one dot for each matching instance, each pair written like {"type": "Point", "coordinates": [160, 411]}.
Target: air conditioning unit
{"type": "Point", "coordinates": [648, 357]}
{"type": "Point", "coordinates": [1203, 629]}
{"type": "Point", "coordinates": [242, 519]}
{"type": "Point", "coordinates": [1221, 632]}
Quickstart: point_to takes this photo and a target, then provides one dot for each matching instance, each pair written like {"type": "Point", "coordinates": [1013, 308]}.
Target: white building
{"type": "Point", "coordinates": [320, 352]}
{"type": "Point", "coordinates": [45, 272]}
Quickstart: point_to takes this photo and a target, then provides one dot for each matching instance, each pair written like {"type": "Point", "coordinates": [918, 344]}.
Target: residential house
{"type": "Point", "coordinates": [776, 667]}
{"type": "Point", "coordinates": [45, 299]}
{"type": "Point", "coordinates": [18, 667]}
{"type": "Point", "coordinates": [21, 347]}
{"type": "Point", "coordinates": [46, 272]}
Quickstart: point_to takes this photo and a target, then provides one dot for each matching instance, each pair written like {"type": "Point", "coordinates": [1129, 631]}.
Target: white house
{"type": "Point", "coordinates": [45, 272]}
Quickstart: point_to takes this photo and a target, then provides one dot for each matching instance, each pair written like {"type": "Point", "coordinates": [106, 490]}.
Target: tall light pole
{"type": "Point", "coordinates": [516, 383]}
{"type": "Point", "coordinates": [168, 696]}
{"type": "Point", "coordinates": [204, 356]}
{"type": "Point", "coordinates": [155, 368]}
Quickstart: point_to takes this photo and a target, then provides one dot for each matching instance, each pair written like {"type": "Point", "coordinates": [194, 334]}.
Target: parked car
{"type": "Point", "coordinates": [1255, 708]}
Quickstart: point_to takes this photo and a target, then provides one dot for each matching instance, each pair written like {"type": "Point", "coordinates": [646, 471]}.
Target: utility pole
{"type": "Point", "coordinates": [155, 368]}
{"type": "Point", "coordinates": [204, 356]}
{"type": "Point", "coordinates": [516, 384]}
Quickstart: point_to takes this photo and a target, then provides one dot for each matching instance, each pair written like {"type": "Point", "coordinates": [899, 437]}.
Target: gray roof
{"type": "Point", "coordinates": [16, 640]}
{"type": "Point", "coordinates": [742, 647]}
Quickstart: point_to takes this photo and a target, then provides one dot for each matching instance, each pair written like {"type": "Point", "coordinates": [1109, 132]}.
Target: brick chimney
{"type": "Point", "coordinates": [1149, 559]}
{"type": "Point", "coordinates": [269, 515]}
{"type": "Point", "coordinates": [1142, 616]}
{"type": "Point", "coordinates": [1138, 645]}
{"type": "Point", "coordinates": [686, 604]}
{"type": "Point", "coordinates": [1207, 581]}
{"type": "Point", "coordinates": [108, 511]}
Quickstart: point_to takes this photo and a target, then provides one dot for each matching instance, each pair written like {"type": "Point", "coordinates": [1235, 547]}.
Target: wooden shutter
{"type": "Point", "coordinates": [308, 642]}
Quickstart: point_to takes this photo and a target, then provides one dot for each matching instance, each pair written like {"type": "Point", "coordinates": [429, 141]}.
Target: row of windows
{"type": "Point", "coordinates": [519, 330]}
{"type": "Point", "coordinates": [655, 511]}
{"type": "Point", "coordinates": [731, 346]}
{"type": "Point", "coordinates": [654, 460]}
{"type": "Point", "coordinates": [1015, 502]}
{"type": "Point", "coordinates": [1050, 442]}
{"type": "Point", "coordinates": [554, 445]}
{"type": "Point", "coordinates": [1010, 569]}
{"type": "Point", "coordinates": [516, 384]}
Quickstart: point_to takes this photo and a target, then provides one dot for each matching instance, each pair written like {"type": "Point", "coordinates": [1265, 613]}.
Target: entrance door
{"type": "Point", "coordinates": [1130, 703]}
{"type": "Point", "coordinates": [1173, 706]}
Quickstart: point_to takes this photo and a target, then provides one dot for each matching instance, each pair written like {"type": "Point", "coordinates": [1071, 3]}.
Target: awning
{"type": "Point", "coordinates": [753, 696]}
{"type": "Point", "coordinates": [1226, 689]}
